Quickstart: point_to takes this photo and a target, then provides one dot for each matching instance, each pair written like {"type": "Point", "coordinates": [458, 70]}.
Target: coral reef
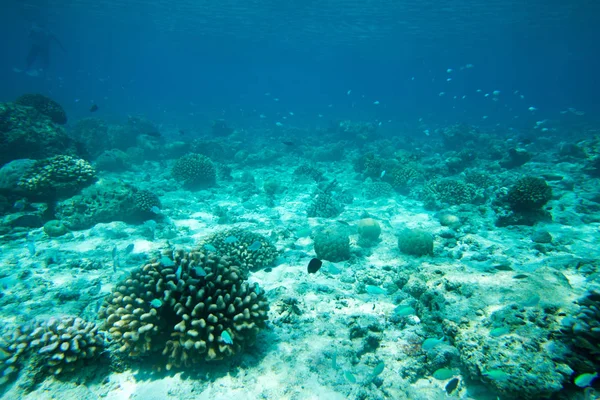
{"type": "Point", "coordinates": [25, 133]}
{"type": "Point", "coordinates": [529, 194]}
{"type": "Point", "coordinates": [376, 190]}
{"type": "Point", "coordinates": [403, 175]}
{"type": "Point", "coordinates": [332, 244]}
{"type": "Point", "coordinates": [306, 171]}
{"type": "Point", "coordinates": [145, 201]}
{"type": "Point", "coordinates": [415, 242]}
{"type": "Point", "coordinates": [194, 170]}
{"type": "Point", "coordinates": [197, 307]}
{"type": "Point", "coordinates": [57, 177]}
{"type": "Point", "coordinates": [55, 346]}
{"type": "Point", "coordinates": [323, 204]}
{"type": "Point", "coordinates": [437, 192]}
{"type": "Point", "coordinates": [104, 202]}
{"type": "Point", "coordinates": [251, 251]}
{"type": "Point", "coordinates": [368, 231]}
{"type": "Point", "coordinates": [44, 105]}
{"type": "Point", "coordinates": [581, 331]}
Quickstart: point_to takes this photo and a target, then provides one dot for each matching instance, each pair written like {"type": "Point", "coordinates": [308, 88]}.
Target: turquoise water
{"type": "Point", "coordinates": [299, 200]}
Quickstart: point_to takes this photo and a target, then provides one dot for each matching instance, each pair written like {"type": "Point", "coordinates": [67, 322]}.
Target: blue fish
{"type": "Point", "coordinates": [166, 261]}
{"type": "Point", "coordinates": [129, 248]}
{"type": "Point", "coordinates": [374, 289]}
{"type": "Point", "coordinates": [231, 239]}
{"type": "Point", "coordinates": [178, 273]}
{"type": "Point", "coordinates": [31, 247]}
{"type": "Point", "coordinates": [226, 337]}
{"type": "Point", "coordinates": [19, 205]}
{"type": "Point", "coordinates": [155, 210]}
{"type": "Point", "coordinates": [254, 246]}
{"type": "Point", "coordinates": [430, 343]}
{"type": "Point", "coordinates": [199, 271]}
{"type": "Point", "coordinates": [210, 247]}
{"type": "Point", "coordinates": [156, 303]}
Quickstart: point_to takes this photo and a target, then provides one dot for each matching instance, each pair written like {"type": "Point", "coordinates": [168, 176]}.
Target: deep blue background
{"type": "Point", "coordinates": [126, 61]}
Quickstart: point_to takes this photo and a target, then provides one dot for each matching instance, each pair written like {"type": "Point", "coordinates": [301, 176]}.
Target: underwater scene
{"type": "Point", "coordinates": [299, 200]}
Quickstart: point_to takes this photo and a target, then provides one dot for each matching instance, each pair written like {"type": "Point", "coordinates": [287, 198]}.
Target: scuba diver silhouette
{"type": "Point", "coordinates": [41, 41]}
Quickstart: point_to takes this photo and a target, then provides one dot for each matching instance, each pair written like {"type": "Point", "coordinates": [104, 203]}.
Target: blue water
{"type": "Point", "coordinates": [182, 63]}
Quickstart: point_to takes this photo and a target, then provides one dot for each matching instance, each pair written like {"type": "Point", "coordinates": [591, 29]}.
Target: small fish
{"type": "Point", "coordinates": [178, 272]}
{"type": "Point", "coordinates": [349, 377]}
{"type": "Point", "coordinates": [166, 261]}
{"type": "Point", "coordinates": [334, 361]}
{"type": "Point", "coordinates": [93, 108]}
{"type": "Point", "coordinates": [497, 332]}
{"type": "Point", "coordinates": [255, 246]}
{"type": "Point", "coordinates": [404, 311]}
{"type": "Point", "coordinates": [287, 143]}
{"type": "Point", "coordinates": [278, 124]}
{"type": "Point", "coordinates": [200, 272]}
{"type": "Point", "coordinates": [378, 369]}
{"type": "Point", "coordinates": [340, 221]}
{"type": "Point", "coordinates": [226, 337]}
{"type": "Point", "coordinates": [332, 269]}
{"type": "Point", "coordinates": [114, 252]}
{"type": "Point", "coordinates": [19, 205]}
{"type": "Point", "coordinates": [496, 93]}
{"type": "Point", "coordinates": [585, 380]}
{"type": "Point", "coordinates": [532, 108]}
{"type": "Point", "coordinates": [129, 248]}
{"type": "Point", "coordinates": [210, 248]}
{"type": "Point", "coordinates": [496, 375]}
{"type": "Point", "coordinates": [155, 210]}
{"type": "Point", "coordinates": [532, 301]}
{"type": "Point", "coordinates": [314, 265]}
{"type": "Point", "coordinates": [31, 247]}
{"type": "Point", "coordinates": [230, 239]}
{"type": "Point", "coordinates": [382, 174]}
{"type": "Point", "coordinates": [452, 385]}
{"type": "Point", "coordinates": [376, 102]}
{"type": "Point", "coordinates": [181, 132]}
{"type": "Point", "coordinates": [156, 303]}
{"type": "Point", "coordinates": [348, 92]}
{"type": "Point", "coordinates": [449, 70]}
{"type": "Point", "coordinates": [375, 289]}
{"type": "Point", "coordinates": [443, 373]}
{"type": "Point", "coordinates": [262, 116]}
{"type": "Point", "coordinates": [430, 343]}
{"type": "Point", "coordinates": [520, 276]}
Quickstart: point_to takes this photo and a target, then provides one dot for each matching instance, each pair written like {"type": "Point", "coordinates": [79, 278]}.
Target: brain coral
{"type": "Point", "coordinates": [196, 307]}
{"type": "Point", "coordinates": [529, 194]}
{"type": "Point", "coordinates": [57, 177]}
{"type": "Point", "coordinates": [44, 105]}
{"type": "Point", "coordinates": [194, 170]}
{"type": "Point", "coordinates": [332, 244]}
{"type": "Point", "coordinates": [237, 244]}
{"type": "Point", "coordinates": [415, 242]}
{"type": "Point", "coordinates": [56, 345]}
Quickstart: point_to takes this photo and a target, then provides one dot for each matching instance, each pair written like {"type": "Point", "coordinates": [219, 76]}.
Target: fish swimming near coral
{"type": "Point", "coordinates": [314, 265]}
{"type": "Point", "coordinates": [93, 108]}
{"type": "Point", "coordinates": [226, 337]}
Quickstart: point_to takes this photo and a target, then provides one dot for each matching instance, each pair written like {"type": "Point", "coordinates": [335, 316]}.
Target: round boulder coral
{"type": "Point", "coordinates": [529, 194]}
{"type": "Point", "coordinates": [145, 201]}
{"type": "Point", "coordinates": [252, 251]}
{"type": "Point", "coordinates": [368, 231]}
{"type": "Point", "coordinates": [194, 170]}
{"type": "Point", "coordinates": [44, 105]}
{"type": "Point", "coordinates": [332, 244]}
{"type": "Point", "coordinates": [415, 242]}
{"type": "Point", "coordinates": [190, 308]}
{"type": "Point", "coordinates": [57, 177]}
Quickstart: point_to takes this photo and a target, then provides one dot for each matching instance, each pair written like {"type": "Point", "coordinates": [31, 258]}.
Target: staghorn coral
{"type": "Point", "coordinates": [448, 191]}
{"type": "Point", "coordinates": [44, 105]}
{"type": "Point", "coordinates": [306, 171]}
{"type": "Point", "coordinates": [234, 243]}
{"type": "Point", "coordinates": [376, 190]}
{"type": "Point", "coordinates": [57, 177]}
{"type": "Point", "coordinates": [323, 204]}
{"type": "Point", "coordinates": [529, 194]}
{"type": "Point", "coordinates": [181, 310]}
{"type": "Point", "coordinates": [56, 345]}
{"type": "Point", "coordinates": [194, 170]}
